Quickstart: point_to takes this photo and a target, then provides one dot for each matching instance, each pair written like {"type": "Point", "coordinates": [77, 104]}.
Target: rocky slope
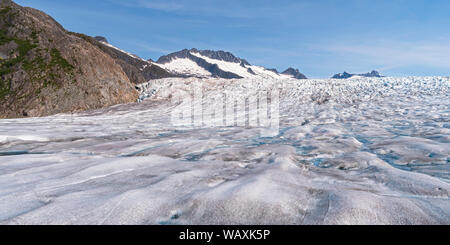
{"type": "Point", "coordinates": [138, 70]}
{"type": "Point", "coordinates": [46, 70]}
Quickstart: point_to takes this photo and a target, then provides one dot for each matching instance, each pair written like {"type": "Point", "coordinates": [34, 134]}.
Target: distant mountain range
{"type": "Point", "coordinates": [189, 63]}
{"type": "Point", "coordinates": [221, 64]}
{"type": "Point", "coordinates": [346, 75]}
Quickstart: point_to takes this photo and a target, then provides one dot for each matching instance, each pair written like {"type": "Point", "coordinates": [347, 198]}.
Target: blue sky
{"type": "Point", "coordinates": [322, 37]}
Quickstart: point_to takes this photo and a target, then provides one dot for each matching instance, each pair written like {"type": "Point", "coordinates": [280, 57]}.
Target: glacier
{"type": "Point", "coordinates": [356, 151]}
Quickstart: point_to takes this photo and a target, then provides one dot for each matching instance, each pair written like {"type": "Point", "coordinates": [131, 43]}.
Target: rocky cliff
{"type": "Point", "coordinates": [45, 69]}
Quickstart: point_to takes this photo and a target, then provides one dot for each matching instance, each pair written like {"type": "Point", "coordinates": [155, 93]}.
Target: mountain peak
{"type": "Point", "coordinates": [295, 73]}
{"type": "Point", "coordinates": [218, 63]}
{"type": "Point", "coordinates": [212, 54]}
{"type": "Point", "coordinates": [346, 75]}
{"type": "Point", "coordinates": [374, 73]}
{"type": "Point", "coordinates": [101, 39]}
{"type": "Point", "coordinates": [221, 55]}
{"type": "Point", "coordinates": [192, 62]}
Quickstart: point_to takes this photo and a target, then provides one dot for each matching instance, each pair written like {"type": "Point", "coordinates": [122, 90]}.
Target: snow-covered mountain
{"type": "Point", "coordinates": [346, 75]}
{"type": "Point", "coordinates": [295, 73]}
{"type": "Point", "coordinates": [197, 63]}
{"type": "Point", "coordinates": [209, 63]}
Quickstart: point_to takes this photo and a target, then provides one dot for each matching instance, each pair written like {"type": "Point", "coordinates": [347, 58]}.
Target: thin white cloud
{"type": "Point", "coordinates": [229, 9]}
{"type": "Point", "coordinates": [395, 54]}
{"type": "Point", "coordinates": [162, 5]}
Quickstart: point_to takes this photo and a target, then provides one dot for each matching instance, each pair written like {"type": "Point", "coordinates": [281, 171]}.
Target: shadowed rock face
{"type": "Point", "coordinates": [221, 55]}
{"type": "Point", "coordinates": [46, 70]}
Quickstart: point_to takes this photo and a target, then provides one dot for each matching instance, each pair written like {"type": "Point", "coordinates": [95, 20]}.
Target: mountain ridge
{"type": "Point", "coordinates": [186, 54]}
{"type": "Point", "coordinates": [295, 73]}
{"type": "Point", "coordinates": [346, 75]}
{"type": "Point", "coordinates": [210, 63]}
{"type": "Point", "coordinates": [137, 69]}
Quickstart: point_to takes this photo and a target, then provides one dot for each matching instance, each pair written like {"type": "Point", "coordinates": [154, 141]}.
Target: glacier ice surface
{"type": "Point", "coordinates": [358, 151]}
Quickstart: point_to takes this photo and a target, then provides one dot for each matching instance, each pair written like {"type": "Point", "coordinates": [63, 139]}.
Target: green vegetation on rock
{"type": "Point", "coordinates": [42, 71]}
{"type": "Point", "coordinates": [7, 65]}
{"type": "Point", "coordinates": [58, 60]}
{"type": "Point", "coordinates": [3, 37]}
{"type": "Point", "coordinates": [5, 10]}
{"type": "Point", "coordinates": [48, 72]}
{"type": "Point", "coordinates": [43, 66]}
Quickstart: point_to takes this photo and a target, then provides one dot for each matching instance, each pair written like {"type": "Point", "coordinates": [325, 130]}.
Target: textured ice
{"type": "Point", "coordinates": [359, 151]}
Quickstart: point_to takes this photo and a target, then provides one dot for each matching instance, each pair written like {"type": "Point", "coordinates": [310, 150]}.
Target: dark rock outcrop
{"type": "Point", "coordinates": [295, 73]}
{"type": "Point", "coordinates": [371, 74]}
{"type": "Point", "coordinates": [221, 55]}
{"type": "Point", "coordinates": [101, 39]}
{"type": "Point", "coordinates": [346, 75]}
{"type": "Point", "coordinates": [46, 70]}
{"type": "Point", "coordinates": [249, 70]}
